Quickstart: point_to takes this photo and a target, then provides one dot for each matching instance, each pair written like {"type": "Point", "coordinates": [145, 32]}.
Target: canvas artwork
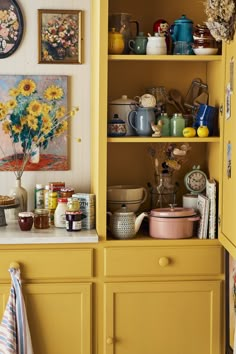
{"type": "Point", "coordinates": [32, 111]}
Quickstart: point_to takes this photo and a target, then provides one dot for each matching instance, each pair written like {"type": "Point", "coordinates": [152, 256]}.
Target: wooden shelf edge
{"type": "Point", "coordinates": [176, 58]}
{"type": "Point", "coordinates": [146, 139]}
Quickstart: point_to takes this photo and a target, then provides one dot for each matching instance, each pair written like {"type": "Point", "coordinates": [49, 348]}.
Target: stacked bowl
{"type": "Point", "coordinates": [133, 196]}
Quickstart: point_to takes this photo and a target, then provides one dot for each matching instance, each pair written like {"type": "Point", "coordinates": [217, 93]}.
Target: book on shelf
{"type": "Point", "coordinates": [211, 194]}
{"type": "Point", "coordinates": [203, 203]}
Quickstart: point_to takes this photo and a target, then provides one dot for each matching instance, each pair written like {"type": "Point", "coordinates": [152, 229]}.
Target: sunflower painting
{"type": "Point", "coordinates": [33, 118]}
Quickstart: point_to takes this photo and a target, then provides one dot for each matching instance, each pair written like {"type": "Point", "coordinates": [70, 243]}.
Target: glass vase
{"type": "Point", "coordinates": [163, 192]}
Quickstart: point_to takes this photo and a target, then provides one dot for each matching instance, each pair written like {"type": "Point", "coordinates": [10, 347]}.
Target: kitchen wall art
{"type": "Point", "coordinates": [33, 123]}
{"type": "Point", "coordinates": [11, 27]}
{"type": "Point", "coordinates": [59, 36]}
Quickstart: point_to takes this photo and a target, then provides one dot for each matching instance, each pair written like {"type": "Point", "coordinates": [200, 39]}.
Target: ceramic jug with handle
{"type": "Point", "coordinates": [182, 30]}
{"type": "Point", "coordinates": [141, 119]}
{"type": "Point", "coordinates": [123, 223]}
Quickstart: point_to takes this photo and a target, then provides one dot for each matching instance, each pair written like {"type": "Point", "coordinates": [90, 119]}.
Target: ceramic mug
{"type": "Point", "coordinates": [139, 44]}
{"type": "Point", "coordinates": [140, 120]}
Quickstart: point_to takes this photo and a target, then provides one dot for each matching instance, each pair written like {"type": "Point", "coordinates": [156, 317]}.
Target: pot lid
{"type": "Point", "coordinates": [173, 212]}
{"type": "Point", "coordinates": [123, 100]}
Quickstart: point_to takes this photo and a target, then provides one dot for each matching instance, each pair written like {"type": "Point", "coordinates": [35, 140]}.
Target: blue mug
{"type": "Point", "coordinates": [208, 116]}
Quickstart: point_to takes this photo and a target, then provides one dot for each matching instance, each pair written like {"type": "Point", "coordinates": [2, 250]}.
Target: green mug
{"type": "Point", "coordinates": [138, 45]}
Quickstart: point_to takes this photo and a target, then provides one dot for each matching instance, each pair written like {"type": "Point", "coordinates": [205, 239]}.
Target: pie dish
{"type": "Point", "coordinates": [6, 200]}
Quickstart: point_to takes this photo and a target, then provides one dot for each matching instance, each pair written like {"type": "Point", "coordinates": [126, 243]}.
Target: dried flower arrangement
{"type": "Point", "coordinates": [221, 18]}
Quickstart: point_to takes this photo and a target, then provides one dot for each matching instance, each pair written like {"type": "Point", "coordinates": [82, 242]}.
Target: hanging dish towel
{"type": "Point", "coordinates": [14, 329]}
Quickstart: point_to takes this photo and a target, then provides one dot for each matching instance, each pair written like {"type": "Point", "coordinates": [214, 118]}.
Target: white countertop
{"type": "Point", "coordinates": [12, 234]}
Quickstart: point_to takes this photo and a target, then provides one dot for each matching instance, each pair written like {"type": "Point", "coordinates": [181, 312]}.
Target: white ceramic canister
{"type": "Point", "coordinates": [156, 45]}
{"type": "Point", "coordinates": [122, 106]}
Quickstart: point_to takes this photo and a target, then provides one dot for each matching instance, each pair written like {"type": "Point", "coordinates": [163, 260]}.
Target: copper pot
{"type": "Point", "coordinates": [172, 223]}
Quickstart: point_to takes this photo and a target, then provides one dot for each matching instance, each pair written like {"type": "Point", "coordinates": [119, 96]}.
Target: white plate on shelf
{"type": "Point", "coordinates": [205, 51]}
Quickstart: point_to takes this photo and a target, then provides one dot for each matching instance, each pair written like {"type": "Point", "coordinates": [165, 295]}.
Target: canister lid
{"type": "Point", "coordinates": [172, 212]}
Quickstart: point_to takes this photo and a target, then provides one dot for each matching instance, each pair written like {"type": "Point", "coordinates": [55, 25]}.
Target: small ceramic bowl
{"type": "Point", "coordinates": [205, 51]}
{"type": "Point", "coordinates": [126, 193]}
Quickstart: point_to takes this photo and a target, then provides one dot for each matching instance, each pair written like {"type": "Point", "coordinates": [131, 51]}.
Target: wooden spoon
{"type": "Point", "coordinates": [177, 98]}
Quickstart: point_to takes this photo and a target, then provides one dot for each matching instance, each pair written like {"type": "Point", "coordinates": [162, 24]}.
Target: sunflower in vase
{"type": "Point", "coordinates": [32, 120]}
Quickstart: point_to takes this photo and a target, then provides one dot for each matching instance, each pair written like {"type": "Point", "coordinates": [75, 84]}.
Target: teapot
{"type": "Point", "coordinates": [124, 224]}
{"type": "Point", "coordinates": [182, 30]}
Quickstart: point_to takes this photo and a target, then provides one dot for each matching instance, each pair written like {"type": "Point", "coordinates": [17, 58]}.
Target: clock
{"type": "Point", "coordinates": [195, 180]}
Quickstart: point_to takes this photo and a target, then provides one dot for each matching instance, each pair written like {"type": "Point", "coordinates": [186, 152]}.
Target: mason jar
{"type": "Point", "coordinates": [177, 124]}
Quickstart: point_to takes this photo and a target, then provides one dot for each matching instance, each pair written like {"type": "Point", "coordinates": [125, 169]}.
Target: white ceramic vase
{"type": "Point", "coordinates": [21, 196]}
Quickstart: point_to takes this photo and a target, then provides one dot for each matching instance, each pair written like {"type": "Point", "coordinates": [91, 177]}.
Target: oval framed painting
{"type": "Point", "coordinates": [11, 27]}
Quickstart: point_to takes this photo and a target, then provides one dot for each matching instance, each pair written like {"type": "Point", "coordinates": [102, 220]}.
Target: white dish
{"type": "Point", "coordinates": [205, 51]}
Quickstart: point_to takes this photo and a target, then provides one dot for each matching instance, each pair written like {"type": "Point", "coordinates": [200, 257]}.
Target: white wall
{"type": "Point", "coordinates": [25, 61]}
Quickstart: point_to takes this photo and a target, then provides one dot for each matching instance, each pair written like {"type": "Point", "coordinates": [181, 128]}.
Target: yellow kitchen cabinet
{"type": "Point", "coordinates": [162, 317]}
{"type": "Point", "coordinates": [57, 288]}
{"type": "Point", "coordinates": [163, 299]}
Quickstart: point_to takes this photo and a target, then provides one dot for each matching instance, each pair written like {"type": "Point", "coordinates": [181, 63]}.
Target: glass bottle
{"type": "Point", "coordinates": [165, 129]}
{"type": "Point", "coordinates": [60, 213]}
{"type": "Point", "coordinates": [177, 124]}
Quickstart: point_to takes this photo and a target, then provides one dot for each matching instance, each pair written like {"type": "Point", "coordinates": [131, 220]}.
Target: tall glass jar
{"type": "Point", "coordinates": [177, 124]}
{"type": "Point", "coordinates": [164, 192]}
{"type": "Point", "coordinates": [165, 129]}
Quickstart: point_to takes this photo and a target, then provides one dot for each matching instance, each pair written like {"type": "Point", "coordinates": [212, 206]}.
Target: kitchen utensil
{"type": "Point", "coordinates": [172, 223]}
{"type": "Point", "coordinates": [122, 106]}
{"type": "Point", "coordinates": [196, 87]}
{"type": "Point", "coordinates": [156, 45]}
{"type": "Point", "coordinates": [176, 96]}
{"type": "Point", "coordinates": [123, 223]}
{"type": "Point", "coordinates": [182, 31]}
{"type": "Point", "coordinates": [139, 44]}
{"type": "Point", "coordinates": [116, 42]}
{"type": "Point", "coordinates": [140, 120]}
{"type": "Point", "coordinates": [201, 99]}
{"type": "Point", "coordinates": [122, 22]}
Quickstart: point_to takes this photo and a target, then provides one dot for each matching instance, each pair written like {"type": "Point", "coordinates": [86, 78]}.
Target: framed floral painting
{"type": "Point", "coordinates": [11, 27]}
{"type": "Point", "coordinates": [60, 36]}
{"type": "Point", "coordinates": [33, 123]}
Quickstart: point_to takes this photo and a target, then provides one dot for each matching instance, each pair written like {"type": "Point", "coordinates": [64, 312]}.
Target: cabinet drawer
{"type": "Point", "coordinates": [151, 261]}
{"type": "Point", "coordinates": [48, 263]}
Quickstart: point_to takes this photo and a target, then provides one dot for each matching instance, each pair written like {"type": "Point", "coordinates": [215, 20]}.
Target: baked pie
{"type": "Point", "coordinates": [6, 200]}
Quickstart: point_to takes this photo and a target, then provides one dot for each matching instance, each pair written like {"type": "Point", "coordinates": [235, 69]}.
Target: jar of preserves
{"type": "Point", "coordinates": [177, 124]}
{"type": "Point", "coordinates": [73, 204]}
{"type": "Point", "coordinates": [60, 213]}
{"type": "Point", "coordinates": [25, 220]}
{"type": "Point", "coordinates": [66, 192]}
{"type": "Point", "coordinates": [41, 219]}
{"type": "Point", "coordinates": [73, 220]}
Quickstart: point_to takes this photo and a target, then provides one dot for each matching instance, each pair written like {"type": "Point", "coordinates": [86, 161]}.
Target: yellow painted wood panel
{"type": "Point", "coordinates": [59, 317]}
{"type": "Point", "coordinates": [48, 263]}
{"type": "Point", "coordinates": [144, 261]}
{"type": "Point", "coordinates": [165, 318]}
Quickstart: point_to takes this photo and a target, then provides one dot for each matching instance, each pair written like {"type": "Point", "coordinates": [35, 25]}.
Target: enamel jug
{"type": "Point", "coordinates": [182, 30]}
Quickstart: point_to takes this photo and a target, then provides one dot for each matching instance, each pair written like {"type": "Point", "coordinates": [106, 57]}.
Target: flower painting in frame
{"type": "Point", "coordinates": [11, 27]}
{"type": "Point", "coordinates": [59, 36]}
{"type": "Point", "coordinates": [33, 123]}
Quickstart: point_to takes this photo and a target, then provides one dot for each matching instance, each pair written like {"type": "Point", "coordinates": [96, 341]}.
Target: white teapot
{"type": "Point", "coordinates": [156, 45]}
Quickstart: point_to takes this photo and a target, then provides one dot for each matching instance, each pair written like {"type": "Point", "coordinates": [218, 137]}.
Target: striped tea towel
{"type": "Point", "coordinates": [14, 330]}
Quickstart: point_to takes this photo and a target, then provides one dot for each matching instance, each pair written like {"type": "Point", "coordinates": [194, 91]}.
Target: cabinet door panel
{"type": "Point", "coordinates": [59, 317]}
{"type": "Point", "coordinates": [173, 317]}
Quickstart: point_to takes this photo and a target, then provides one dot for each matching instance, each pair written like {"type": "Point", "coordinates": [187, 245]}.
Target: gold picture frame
{"type": "Point", "coordinates": [59, 36]}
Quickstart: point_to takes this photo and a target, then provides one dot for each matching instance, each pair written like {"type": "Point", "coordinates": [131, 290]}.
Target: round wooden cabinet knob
{"type": "Point", "coordinates": [109, 340]}
{"type": "Point", "coordinates": [164, 261]}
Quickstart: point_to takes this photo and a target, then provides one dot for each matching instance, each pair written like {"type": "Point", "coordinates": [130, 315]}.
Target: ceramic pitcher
{"type": "Point", "coordinates": [141, 119]}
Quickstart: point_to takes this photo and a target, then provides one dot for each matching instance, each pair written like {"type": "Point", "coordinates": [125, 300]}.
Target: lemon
{"type": "Point", "coordinates": [189, 132]}
{"type": "Point", "coordinates": [202, 131]}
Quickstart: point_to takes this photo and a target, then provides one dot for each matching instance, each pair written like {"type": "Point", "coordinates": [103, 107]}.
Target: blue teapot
{"type": "Point", "coordinates": [182, 31]}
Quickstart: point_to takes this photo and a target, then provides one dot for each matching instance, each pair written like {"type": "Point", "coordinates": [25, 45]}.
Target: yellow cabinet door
{"type": "Point", "coordinates": [59, 317]}
{"type": "Point", "coordinates": [163, 317]}
{"type": "Point", "coordinates": [228, 226]}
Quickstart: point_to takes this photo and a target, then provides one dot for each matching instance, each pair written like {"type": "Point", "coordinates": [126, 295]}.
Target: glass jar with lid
{"type": "Point", "coordinates": [73, 204]}
{"type": "Point", "coordinates": [177, 124]}
{"type": "Point", "coordinates": [41, 219]}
